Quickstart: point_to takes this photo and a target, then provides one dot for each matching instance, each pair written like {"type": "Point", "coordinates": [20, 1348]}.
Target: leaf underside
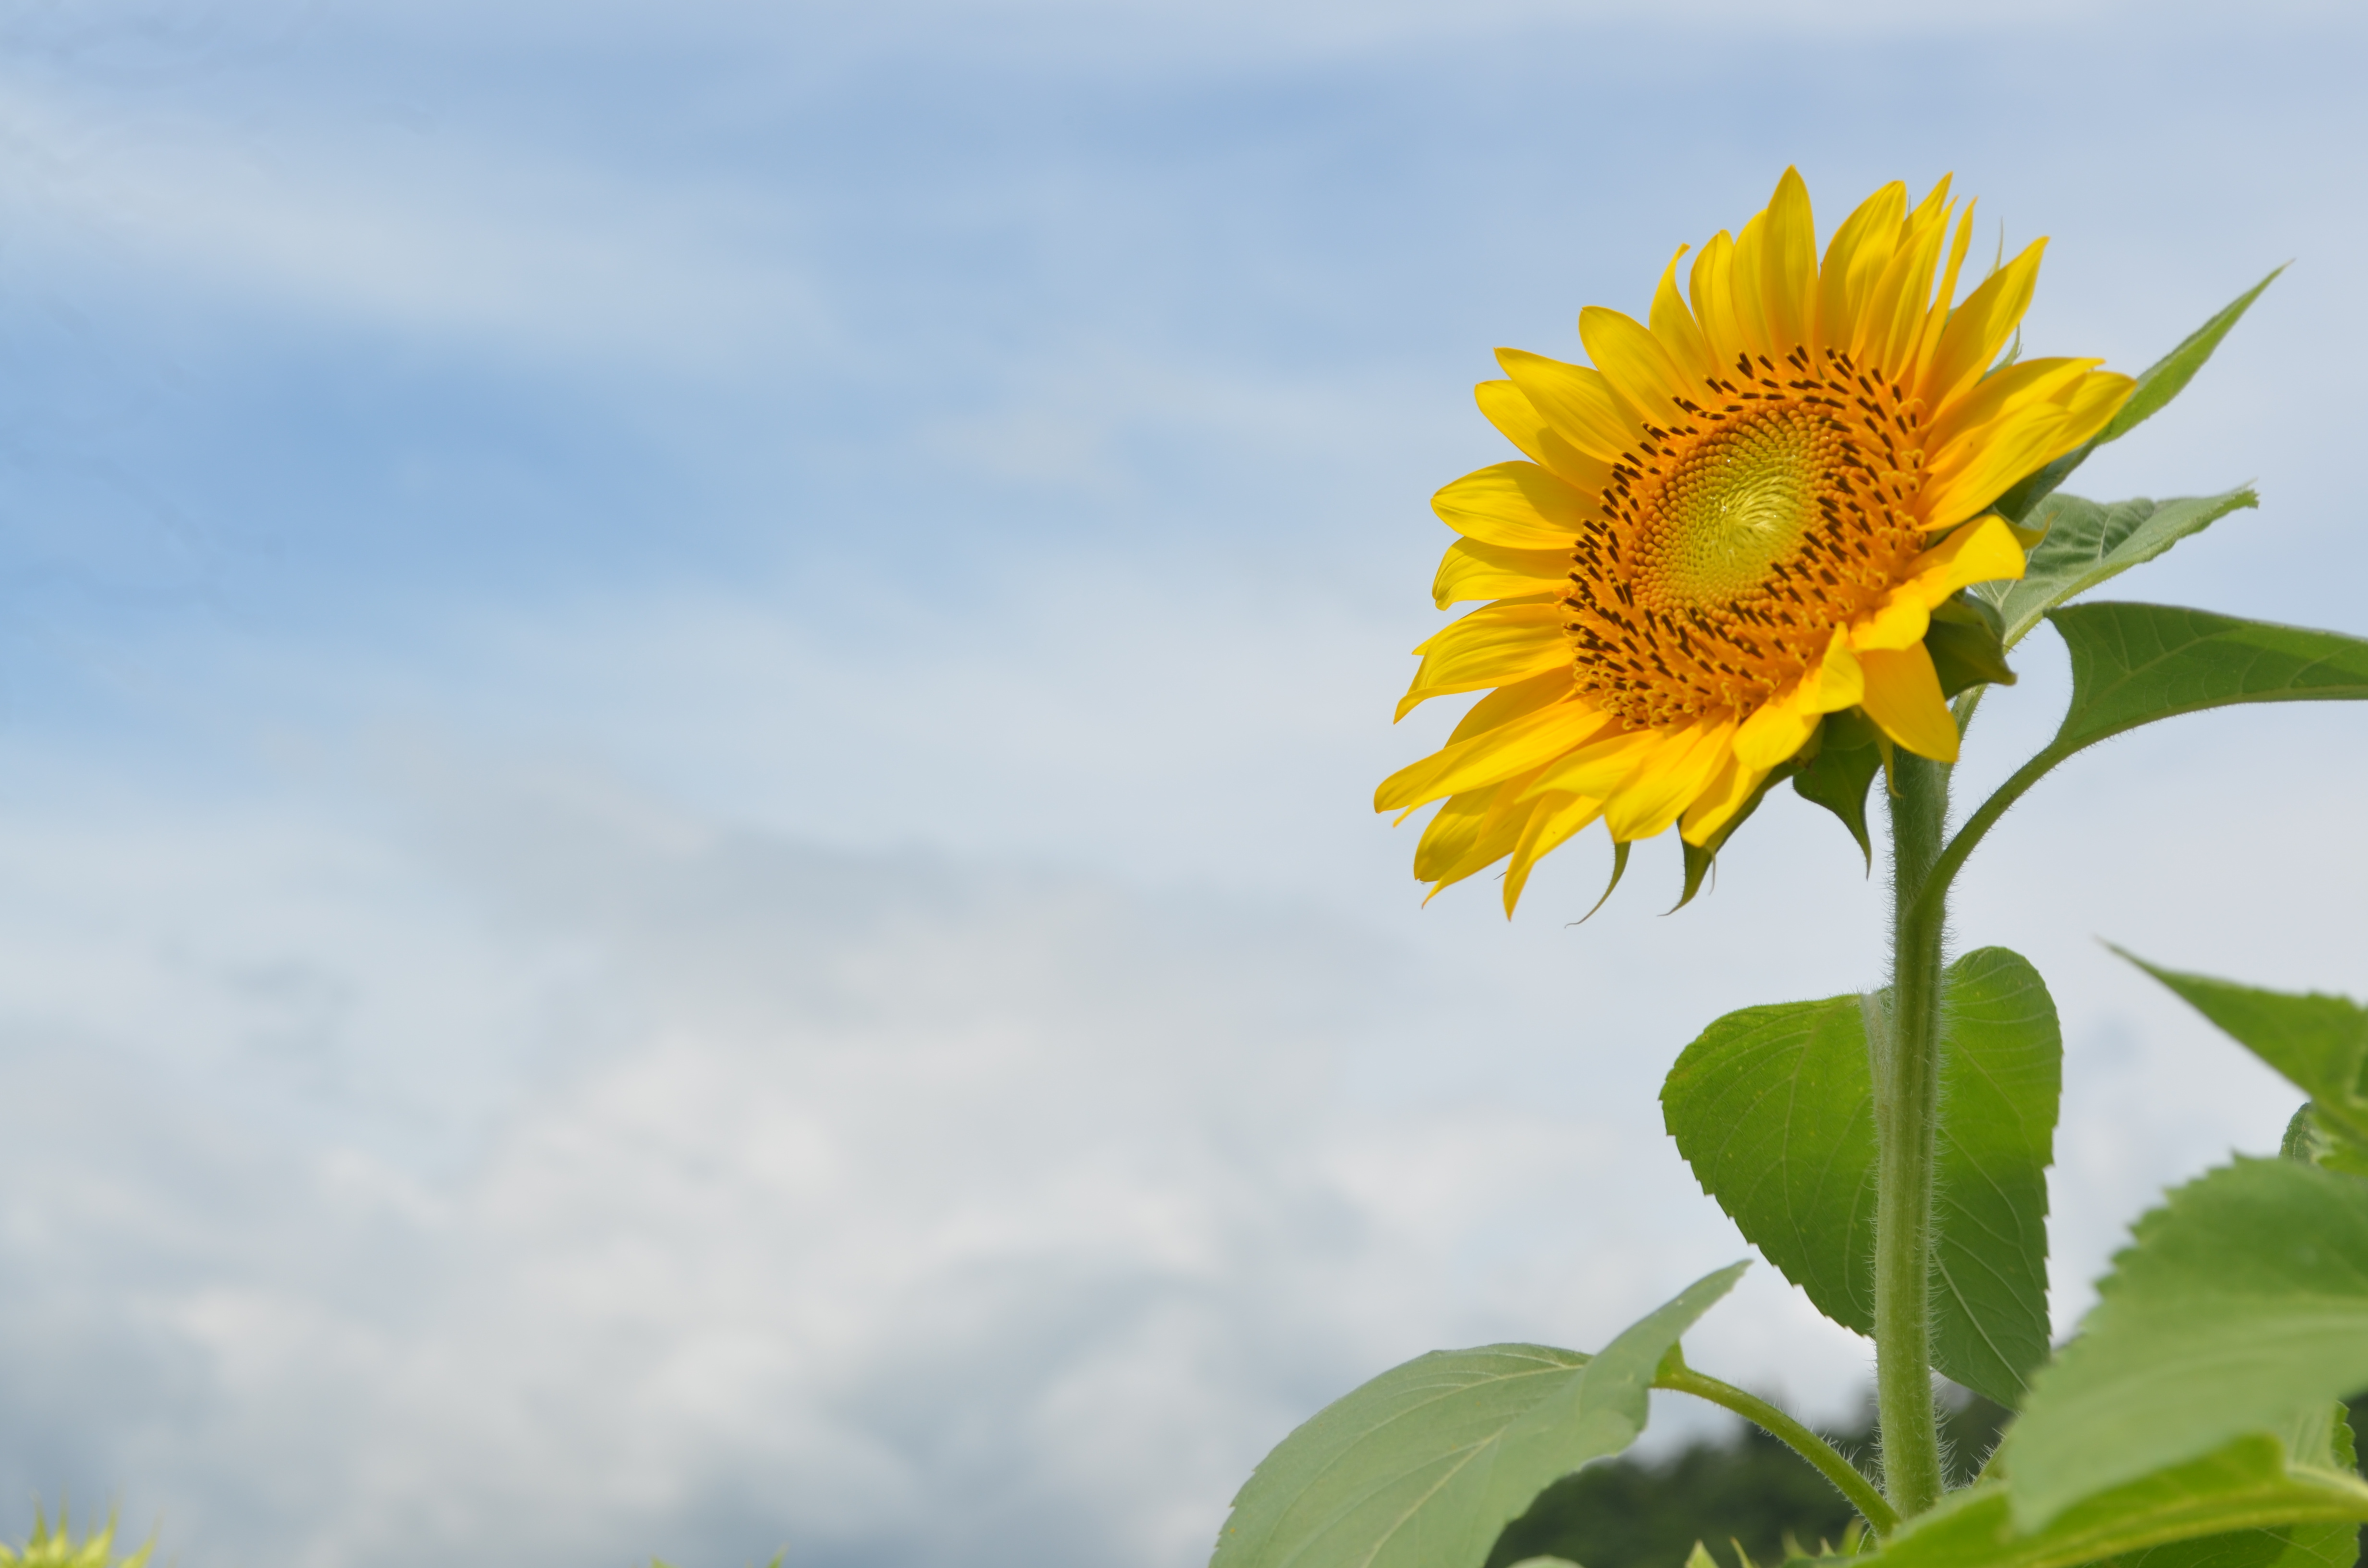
{"type": "Point", "coordinates": [1773, 1107]}
{"type": "Point", "coordinates": [2241, 1300]}
{"type": "Point", "coordinates": [1426, 1463]}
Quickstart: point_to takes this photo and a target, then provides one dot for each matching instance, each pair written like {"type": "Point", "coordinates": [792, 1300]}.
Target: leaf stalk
{"type": "Point", "coordinates": [1675, 1376]}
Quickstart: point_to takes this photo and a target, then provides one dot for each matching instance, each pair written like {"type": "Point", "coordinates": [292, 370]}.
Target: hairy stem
{"type": "Point", "coordinates": [1906, 1048]}
{"type": "Point", "coordinates": [1676, 1375]}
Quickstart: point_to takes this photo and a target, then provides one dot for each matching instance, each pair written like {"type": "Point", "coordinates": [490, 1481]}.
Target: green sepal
{"type": "Point", "coordinates": [2157, 385]}
{"type": "Point", "coordinates": [2241, 1300]}
{"type": "Point", "coordinates": [1837, 777]}
{"type": "Point", "coordinates": [1427, 1464]}
{"type": "Point", "coordinates": [1699, 857]}
{"type": "Point", "coordinates": [1620, 847]}
{"type": "Point", "coordinates": [1773, 1109]}
{"type": "Point", "coordinates": [1967, 643]}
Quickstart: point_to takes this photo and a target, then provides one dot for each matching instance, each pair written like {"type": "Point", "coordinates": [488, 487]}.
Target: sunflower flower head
{"type": "Point", "coordinates": [1739, 521]}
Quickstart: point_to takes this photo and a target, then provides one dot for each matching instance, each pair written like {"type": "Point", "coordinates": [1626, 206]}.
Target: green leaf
{"type": "Point", "coordinates": [2133, 663]}
{"type": "Point", "coordinates": [1838, 776]}
{"type": "Point", "coordinates": [2249, 1484]}
{"type": "Point", "coordinates": [2243, 1300]}
{"type": "Point", "coordinates": [2323, 1440]}
{"type": "Point", "coordinates": [2087, 543]}
{"type": "Point", "coordinates": [2157, 385]}
{"type": "Point", "coordinates": [1773, 1107]}
{"type": "Point", "coordinates": [2168, 376]}
{"type": "Point", "coordinates": [2319, 1042]}
{"type": "Point", "coordinates": [1427, 1464]}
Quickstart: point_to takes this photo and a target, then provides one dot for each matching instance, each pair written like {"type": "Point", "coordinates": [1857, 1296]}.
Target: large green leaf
{"type": "Point", "coordinates": [2246, 1486]}
{"type": "Point", "coordinates": [1773, 1107]}
{"type": "Point", "coordinates": [2157, 385]}
{"type": "Point", "coordinates": [2133, 663]}
{"type": "Point", "coordinates": [2087, 543]}
{"type": "Point", "coordinates": [2320, 1437]}
{"type": "Point", "coordinates": [1425, 1466]}
{"type": "Point", "coordinates": [2243, 1300]}
{"type": "Point", "coordinates": [2319, 1042]}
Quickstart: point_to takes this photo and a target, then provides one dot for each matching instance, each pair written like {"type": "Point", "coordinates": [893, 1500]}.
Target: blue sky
{"type": "Point", "coordinates": [688, 696]}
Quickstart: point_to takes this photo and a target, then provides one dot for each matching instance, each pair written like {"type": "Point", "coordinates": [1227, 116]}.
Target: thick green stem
{"type": "Point", "coordinates": [1675, 1374]}
{"type": "Point", "coordinates": [1906, 1049]}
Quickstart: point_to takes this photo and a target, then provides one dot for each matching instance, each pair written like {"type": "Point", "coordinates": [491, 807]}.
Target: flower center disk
{"type": "Point", "coordinates": [1729, 548]}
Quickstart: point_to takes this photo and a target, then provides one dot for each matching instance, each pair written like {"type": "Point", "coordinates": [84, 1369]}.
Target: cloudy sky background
{"type": "Point", "coordinates": [688, 696]}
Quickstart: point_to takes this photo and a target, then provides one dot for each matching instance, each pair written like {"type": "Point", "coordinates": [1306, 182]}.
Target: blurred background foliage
{"type": "Point", "coordinates": [1747, 1492]}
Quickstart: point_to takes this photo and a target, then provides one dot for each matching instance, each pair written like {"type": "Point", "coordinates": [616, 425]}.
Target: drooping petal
{"type": "Point", "coordinates": [1520, 745]}
{"type": "Point", "coordinates": [1552, 819]}
{"type": "Point", "coordinates": [1601, 766]}
{"type": "Point", "coordinates": [1903, 696]}
{"type": "Point", "coordinates": [1670, 780]}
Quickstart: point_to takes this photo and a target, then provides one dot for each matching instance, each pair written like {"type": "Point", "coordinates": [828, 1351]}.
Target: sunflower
{"type": "Point", "coordinates": [1738, 523]}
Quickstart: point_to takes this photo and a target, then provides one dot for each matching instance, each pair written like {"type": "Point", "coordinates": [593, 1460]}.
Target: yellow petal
{"type": "Point", "coordinates": [1553, 818]}
{"type": "Point", "coordinates": [1854, 260]}
{"type": "Point", "coordinates": [1470, 569]}
{"type": "Point", "coordinates": [2017, 445]}
{"type": "Point", "coordinates": [1507, 703]}
{"type": "Point", "coordinates": [1982, 552]}
{"type": "Point", "coordinates": [1751, 299]}
{"type": "Point", "coordinates": [1788, 266]}
{"type": "Point", "coordinates": [1578, 403]}
{"type": "Point", "coordinates": [1495, 645]}
{"type": "Point", "coordinates": [1937, 321]}
{"type": "Point", "coordinates": [1885, 339]}
{"type": "Point", "coordinates": [1903, 620]}
{"type": "Point", "coordinates": [1903, 696]}
{"type": "Point", "coordinates": [1471, 831]}
{"type": "Point", "coordinates": [1711, 286]}
{"type": "Point", "coordinates": [1669, 780]}
{"type": "Point", "coordinates": [1499, 831]}
{"type": "Point", "coordinates": [1725, 795]}
{"type": "Point", "coordinates": [1958, 431]}
{"type": "Point", "coordinates": [1778, 730]}
{"type": "Point", "coordinates": [1516, 504]}
{"type": "Point", "coordinates": [1675, 325]}
{"type": "Point", "coordinates": [1520, 745]}
{"type": "Point", "coordinates": [1602, 765]}
{"type": "Point", "coordinates": [1980, 328]}
{"type": "Point", "coordinates": [1782, 726]}
{"type": "Point", "coordinates": [1518, 421]}
{"type": "Point", "coordinates": [1635, 364]}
